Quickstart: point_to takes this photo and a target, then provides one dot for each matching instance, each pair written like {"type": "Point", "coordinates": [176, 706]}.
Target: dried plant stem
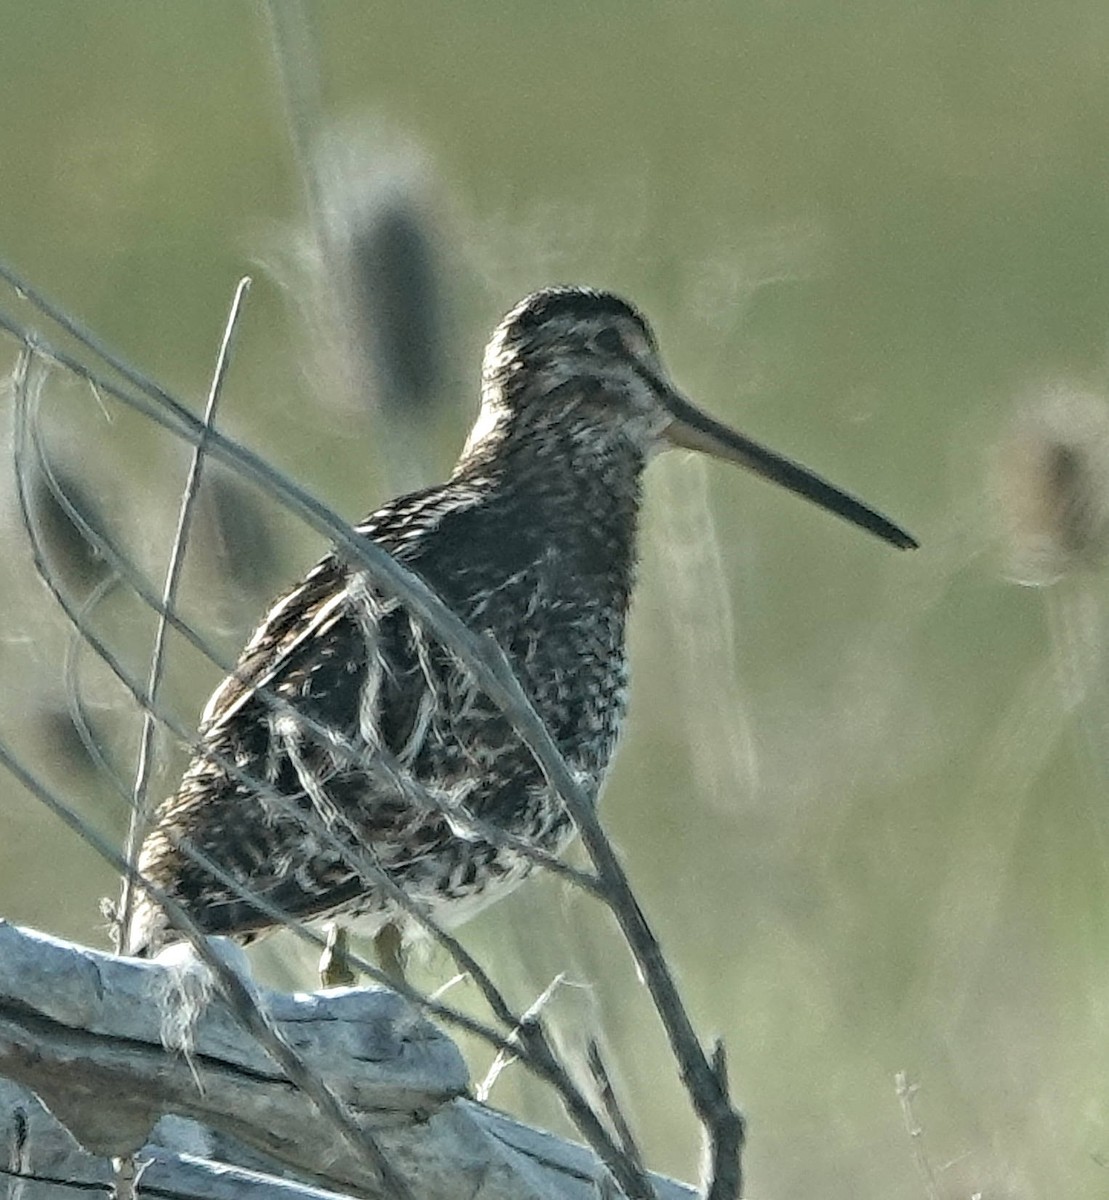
{"type": "Point", "coordinates": [127, 573]}
{"type": "Point", "coordinates": [702, 1078]}
{"type": "Point", "coordinates": [526, 1037]}
{"type": "Point", "coordinates": [906, 1091]}
{"type": "Point", "coordinates": [238, 995]}
{"type": "Point", "coordinates": [140, 814]}
{"type": "Point", "coordinates": [294, 52]}
{"type": "Point", "coordinates": [603, 1079]}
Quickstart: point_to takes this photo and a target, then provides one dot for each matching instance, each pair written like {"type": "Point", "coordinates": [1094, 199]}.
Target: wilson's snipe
{"type": "Point", "coordinates": [347, 724]}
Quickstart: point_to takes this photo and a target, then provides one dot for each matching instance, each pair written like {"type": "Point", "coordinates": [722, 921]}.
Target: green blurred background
{"type": "Point", "coordinates": [862, 793]}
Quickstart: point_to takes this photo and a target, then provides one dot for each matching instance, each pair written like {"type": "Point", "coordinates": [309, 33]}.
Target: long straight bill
{"type": "Point", "coordinates": [695, 430]}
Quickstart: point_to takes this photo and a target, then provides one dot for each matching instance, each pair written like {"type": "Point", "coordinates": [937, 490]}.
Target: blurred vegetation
{"type": "Point", "coordinates": [863, 793]}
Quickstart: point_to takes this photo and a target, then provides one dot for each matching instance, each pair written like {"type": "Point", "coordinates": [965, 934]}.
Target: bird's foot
{"type": "Point", "coordinates": [335, 966]}
{"type": "Point", "coordinates": [389, 951]}
{"type": "Point", "coordinates": [335, 969]}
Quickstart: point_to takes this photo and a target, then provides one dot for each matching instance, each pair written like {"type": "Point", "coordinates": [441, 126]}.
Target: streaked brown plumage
{"type": "Point", "coordinates": [347, 720]}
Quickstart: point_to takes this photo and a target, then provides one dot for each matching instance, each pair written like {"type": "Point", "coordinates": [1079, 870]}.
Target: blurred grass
{"type": "Point", "coordinates": [862, 231]}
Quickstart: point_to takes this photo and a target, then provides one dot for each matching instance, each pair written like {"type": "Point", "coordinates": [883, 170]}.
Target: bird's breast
{"type": "Point", "coordinates": [566, 645]}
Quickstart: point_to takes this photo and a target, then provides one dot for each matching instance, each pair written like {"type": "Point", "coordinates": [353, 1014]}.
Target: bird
{"type": "Point", "coordinates": [350, 757]}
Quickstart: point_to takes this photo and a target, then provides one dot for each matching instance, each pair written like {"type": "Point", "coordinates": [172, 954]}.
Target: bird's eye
{"type": "Point", "coordinates": [609, 342]}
